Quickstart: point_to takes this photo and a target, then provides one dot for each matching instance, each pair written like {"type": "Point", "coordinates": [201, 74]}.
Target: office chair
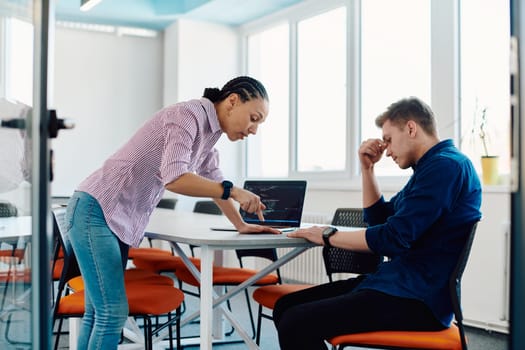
{"type": "Point", "coordinates": [233, 276]}
{"type": "Point", "coordinates": [207, 207]}
{"type": "Point", "coordinates": [12, 256]}
{"type": "Point", "coordinates": [452, 338]}
{"type": "Point", "coordinates": [167, 203]}
{"type": "Point", "coordinates": [146, 297]}
{"type": "Point", "coordinates": [336, 260]}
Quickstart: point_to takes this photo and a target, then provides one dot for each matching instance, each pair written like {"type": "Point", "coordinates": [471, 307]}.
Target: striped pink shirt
{"type": "Point", "coordinates": [178, 139]}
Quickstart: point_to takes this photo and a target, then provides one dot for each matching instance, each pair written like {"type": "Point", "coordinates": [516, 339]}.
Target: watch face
{"type": "Point", "coordinates": [329, 231]}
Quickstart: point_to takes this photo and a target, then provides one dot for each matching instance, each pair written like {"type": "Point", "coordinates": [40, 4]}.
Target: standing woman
{"type": "Point", "coordinates": [173, 150]}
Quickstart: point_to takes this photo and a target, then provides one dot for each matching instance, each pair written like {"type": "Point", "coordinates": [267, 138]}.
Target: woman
{"type": "Point", "coordinates": [174, 150]}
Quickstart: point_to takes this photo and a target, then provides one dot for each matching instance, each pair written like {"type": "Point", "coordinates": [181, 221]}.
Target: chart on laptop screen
{"type": "Point", "coordinates": [283, 199]}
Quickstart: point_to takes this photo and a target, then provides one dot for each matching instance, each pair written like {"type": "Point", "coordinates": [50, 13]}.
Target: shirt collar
{"type": "Point", "coordinates": [211, 113]}
{"type": "Point", "coordinates": [433, 151]}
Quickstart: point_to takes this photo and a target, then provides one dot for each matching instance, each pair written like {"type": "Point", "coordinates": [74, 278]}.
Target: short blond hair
{"type": "Point", "coordinates": [412, 108]}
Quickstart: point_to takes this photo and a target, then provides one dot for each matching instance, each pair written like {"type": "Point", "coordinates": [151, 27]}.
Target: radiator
{"type": "Point", "coordinates": [307, 267]}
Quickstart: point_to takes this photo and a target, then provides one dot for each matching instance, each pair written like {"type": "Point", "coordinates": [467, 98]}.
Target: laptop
{"type": "Point", "coordinates": [284, 200]}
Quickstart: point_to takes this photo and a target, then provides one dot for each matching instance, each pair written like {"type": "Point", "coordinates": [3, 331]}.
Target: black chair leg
{"type": "Point", "coordinates": [170, 329]}
{"type": "Point", "coordinates": [59, 330]}
{"type": "Point", "coordinates": [148, 337]}
{"type": "Point", "coordinates": [259, 321]}
{"type": "Point", "coordinates": [250, 312]}
{"type": "Point", "coordinates": [177, 327]}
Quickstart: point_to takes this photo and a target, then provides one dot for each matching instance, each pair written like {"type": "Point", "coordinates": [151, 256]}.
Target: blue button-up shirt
{"type": "Point", "coordinates": [423, 228]}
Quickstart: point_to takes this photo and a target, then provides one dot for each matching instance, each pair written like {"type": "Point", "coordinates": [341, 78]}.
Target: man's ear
{"type": "Point", "coordinates": [412, 128]}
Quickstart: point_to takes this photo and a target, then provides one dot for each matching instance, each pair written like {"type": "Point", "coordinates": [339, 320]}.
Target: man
{"type": "Point", "coordinates": [422, 230]}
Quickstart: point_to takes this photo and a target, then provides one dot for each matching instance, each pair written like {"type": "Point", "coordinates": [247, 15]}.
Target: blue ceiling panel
{"type": "Point", "coordinates": [158, 14]}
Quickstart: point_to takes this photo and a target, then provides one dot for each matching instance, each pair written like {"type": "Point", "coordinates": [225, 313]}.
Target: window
{"type": "Point", "coordinates": [321, 92]}
{"type": "Point", "coordinates": [395, 62]}
{"type": "Point", "coordinates": [485, 33]}
{"type": "Point", "coordinates": [268, 61]}
{"type": "Point", "coordinates": [342, 63]}
{"type": "Point", "coordinates": [19, 61]}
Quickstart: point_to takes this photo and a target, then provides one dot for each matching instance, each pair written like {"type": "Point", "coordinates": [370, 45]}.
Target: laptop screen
{"type": "Point", "coordinates": [284, 201]}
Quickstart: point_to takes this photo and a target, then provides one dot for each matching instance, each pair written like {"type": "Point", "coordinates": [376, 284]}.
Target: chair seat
{"type": "Point", "coordinates": [57, 269]}
{"type": "Point", "coordinates": [227, 276]}
{"type": "Point", "coordinates": [447, 339]}
{"type": "Point", "coordinates": [17, 253]}
{"type": "Point", "coordinates": [16, 276]}
{"type": "Point", "coordinates": [142, 299]}
{"type": "Point", "coordinates": [162, 263]}
{"type": "Point", "coordinates": [146, 251]}
{"type": "Point", "coordinates": [130, 276]}
{"type": "Point", "coordinates": [268, 295]}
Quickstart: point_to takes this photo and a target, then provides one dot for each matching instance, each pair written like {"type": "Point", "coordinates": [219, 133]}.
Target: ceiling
{"type": "Point", "coordinates": [158, 14]}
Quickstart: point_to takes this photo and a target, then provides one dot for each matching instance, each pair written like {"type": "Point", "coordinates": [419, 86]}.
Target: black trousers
{"type": "Point", "coordinates": [306, 318]}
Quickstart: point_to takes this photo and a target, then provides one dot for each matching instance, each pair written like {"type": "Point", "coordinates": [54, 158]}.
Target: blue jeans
{"type": "Point", "coordinates": [101, 257]}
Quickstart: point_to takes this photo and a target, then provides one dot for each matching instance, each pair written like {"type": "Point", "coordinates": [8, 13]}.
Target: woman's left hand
{"type": "Point", "coordinates": [251, 228]}
{"type": "Point", "coordinates": [314, 234]}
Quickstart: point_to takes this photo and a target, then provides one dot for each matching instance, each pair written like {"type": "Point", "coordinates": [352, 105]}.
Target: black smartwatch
{"type": "Point", "coordinates": [227, 186]}
{"type": "Point", "coordinates": [327, 233]}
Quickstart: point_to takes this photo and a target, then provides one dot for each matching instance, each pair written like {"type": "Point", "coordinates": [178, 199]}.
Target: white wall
{"type": "Point", "coordinates": [200, 55]}
{"type": "Point", "coordinates": [109, 85]}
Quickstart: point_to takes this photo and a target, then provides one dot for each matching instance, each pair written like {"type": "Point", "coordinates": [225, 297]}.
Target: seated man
{"type": "Point", "coordinates": [422, 229]}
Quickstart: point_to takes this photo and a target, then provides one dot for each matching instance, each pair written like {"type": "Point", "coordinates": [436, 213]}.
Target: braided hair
{"type": "Point", "coordinates": [246, 87]}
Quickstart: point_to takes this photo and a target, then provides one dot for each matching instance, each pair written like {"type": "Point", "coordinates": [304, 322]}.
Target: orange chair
{"type": "Point", "coordinates": [452, 338]}
{"type": "Point", "coordinates": [76, 284]}
{"type": "Point", "coordinates": [147, 295]}
{"type": "Point", "coordinates": [232, 276]}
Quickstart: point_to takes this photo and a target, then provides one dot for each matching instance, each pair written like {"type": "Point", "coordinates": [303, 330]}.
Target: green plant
{"type": "Point", "coordinates": [481, 132]}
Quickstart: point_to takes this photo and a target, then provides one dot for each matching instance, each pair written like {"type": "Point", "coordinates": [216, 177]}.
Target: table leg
{"type": "Point", "coordinates": [74, 326]}
{"type": "Point", "coordinates": [206, 316]}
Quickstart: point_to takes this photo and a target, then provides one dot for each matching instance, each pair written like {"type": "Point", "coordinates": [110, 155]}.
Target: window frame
{"type": "Point", "coordinates": [444, 82]}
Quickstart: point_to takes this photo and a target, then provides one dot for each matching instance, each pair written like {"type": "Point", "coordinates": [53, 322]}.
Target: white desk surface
{"type": "Point", "coordinates": [15, 226]}
{"type": "Point", "coordinates": [194, 228]}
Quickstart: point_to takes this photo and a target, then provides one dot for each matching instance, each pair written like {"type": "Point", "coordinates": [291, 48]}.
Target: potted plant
{"type": "Point", "coordinates": [489, 163]}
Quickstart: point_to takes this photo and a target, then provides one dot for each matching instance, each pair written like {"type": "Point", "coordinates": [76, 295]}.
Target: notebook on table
{"type": "Point", "coordinates": [284, 200]}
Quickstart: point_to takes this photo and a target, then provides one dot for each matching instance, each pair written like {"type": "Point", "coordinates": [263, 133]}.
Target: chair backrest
{"type": "Point", "coordinates": [70, 268]}
{"type": "Point", "coordinates": [455, 283]}
{"type": "Point", "coordinates": [7, 209]}
{"type": "Point", "coordinates": [167, 203]}
{"type": "Point", "coordinates": [265, 253]}
{"type": "Point", "coordinates": [349, 217]}
{"type": "Point", "coordinates": [339, 260]}
{"type": "Point", "coordinates": [207, 207]}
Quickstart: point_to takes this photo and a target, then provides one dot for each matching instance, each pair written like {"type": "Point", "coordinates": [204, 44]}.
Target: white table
{"type": "Point", "coordinates": [14, 227]}
{"type": "Point", "coordinates": [194, 228]}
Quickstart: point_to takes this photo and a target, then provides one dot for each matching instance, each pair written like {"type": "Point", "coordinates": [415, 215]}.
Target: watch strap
{"type": "Point", "coordinates": [327, 233]}
{"type": "Point", "coordinates": [227, 188]}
